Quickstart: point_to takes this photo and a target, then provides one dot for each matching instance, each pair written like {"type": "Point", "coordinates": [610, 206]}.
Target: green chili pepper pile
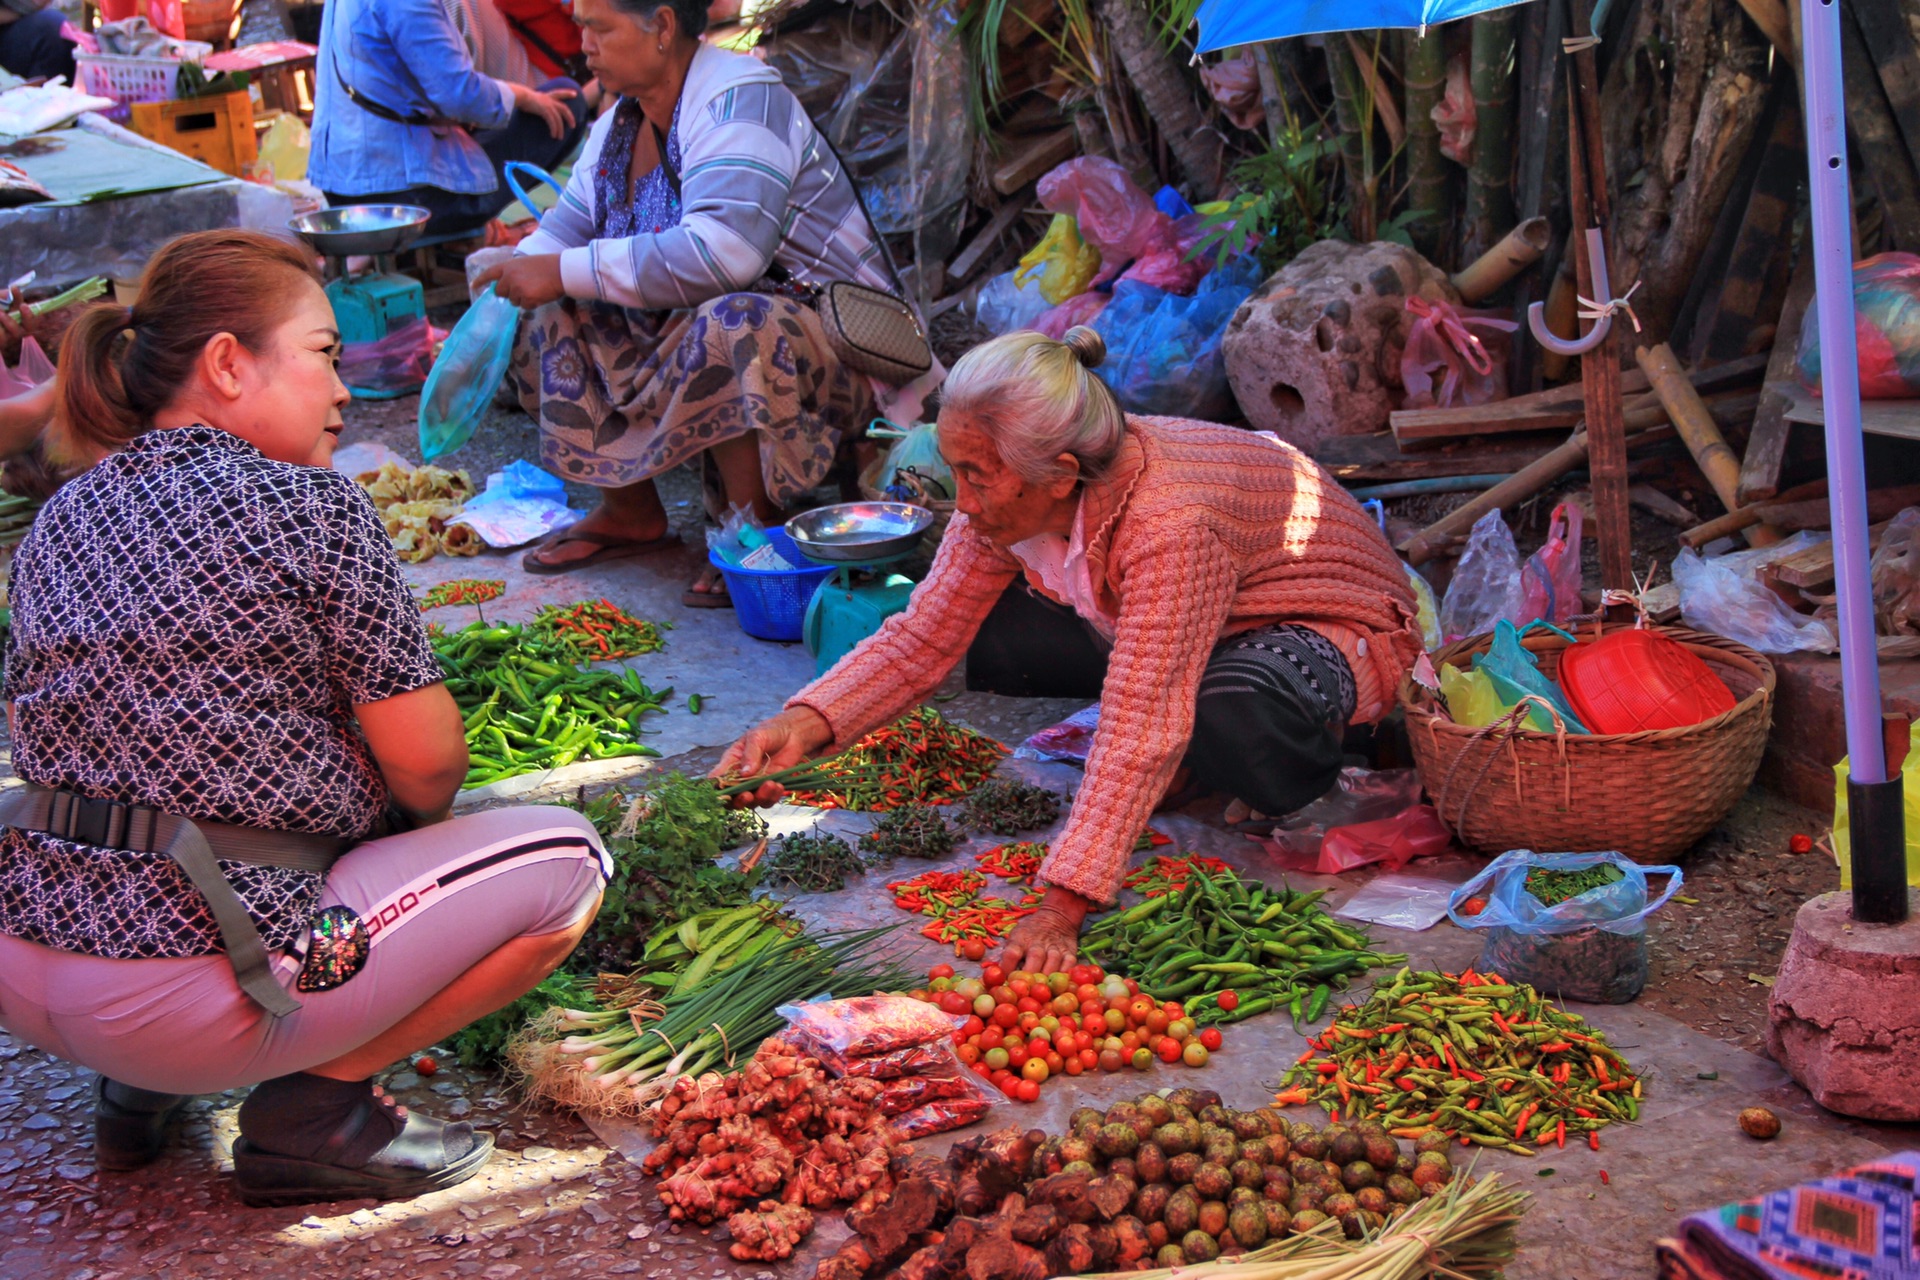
{"type": "Point", "coordinates": [1273, 948]}
{"type": "Point", "coordinates": [1470, 1055]}
{"type": "Point", "coordinates": [1554, 887]}
{"type": "Point", "coordinates": [526, 709]}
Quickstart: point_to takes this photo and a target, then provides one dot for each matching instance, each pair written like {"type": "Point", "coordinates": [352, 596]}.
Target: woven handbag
{"type": "Point", "coordinates": [873, 332]}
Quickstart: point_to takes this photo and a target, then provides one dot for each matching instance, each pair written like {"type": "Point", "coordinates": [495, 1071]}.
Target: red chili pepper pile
{"type": "Point", "coordinates": [960, 911]}
{"type": "Point", "coordinates": [1018, 861]}
{"type": "Point", "coordinates": [918, 759]}
{"type": "Point", "coordinates": [597, 631]}
{"type": "Point", "coordinates": [462, 591]}
{"type": "Point", "coordinates": [1164, 875]}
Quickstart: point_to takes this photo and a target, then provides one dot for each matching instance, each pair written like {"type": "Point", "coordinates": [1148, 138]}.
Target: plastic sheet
{"type": "Point", "coordinates": [1886, 324]}
{"type": "Point", "coordinates": [1896, 576]}
{"type": "Point", "coordinates": [399, 362]}
{"type": "Point", "coordinates": [1591, 947]}
{"type": "Point", "coordinates": [1400, 902]}
{"type": "Point", "coordinates": [1005, 304]}
{"type": "Point", "coordinates": [1486, 585]}
{"type": "Point", "coordinates": [1163, 350]}
{"type": "Point", "coordinates": [520, 503]}
{"type": "Point", "coordinates": [1723, 596]}
{"type": "Point", "coordinates": [1071, 740]}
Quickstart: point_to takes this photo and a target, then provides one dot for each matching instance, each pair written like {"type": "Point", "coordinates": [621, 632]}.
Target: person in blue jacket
{"type": "Point", "coordinates": [402, 116]}
{"type": "Point", "coordinates": [31, 43]}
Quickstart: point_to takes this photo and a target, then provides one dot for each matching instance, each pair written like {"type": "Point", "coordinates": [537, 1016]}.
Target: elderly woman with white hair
{"type": "Point", "coordinates": [1249, 608]}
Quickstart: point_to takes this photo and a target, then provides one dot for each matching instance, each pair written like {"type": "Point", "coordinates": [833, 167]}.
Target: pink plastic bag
{"type": "Point", "coordinates": [399, 362]}
{"type": "Point", "coordinates": [1080, 309]}
{"type": "Point", "coordinates": [1235, 85]}
{"type": "Point", "coordinates": [1166, 265]}
{"type": "Point", "coordinates": [34, 365]}
{"type": "Point", "coordinates": [1414, 832]}
{"type": "Point", "coordinates": [1550, 579]}
{"type": "Point", "coordinates": [1115, 216]}
{"type": "Point", "coordinates": [1455, 114]}
{"type": "Point", "coordinates": [1468, 349]}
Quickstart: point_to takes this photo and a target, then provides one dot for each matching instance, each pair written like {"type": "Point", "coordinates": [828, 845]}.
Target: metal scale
{"type": "Point", "coordinates": [370, 304]}
{"type": "Point", "coordinates": [862, 540]}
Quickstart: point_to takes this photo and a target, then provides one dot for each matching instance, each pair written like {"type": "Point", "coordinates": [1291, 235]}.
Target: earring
{"type": "Point", "coordinates": [663, 48]}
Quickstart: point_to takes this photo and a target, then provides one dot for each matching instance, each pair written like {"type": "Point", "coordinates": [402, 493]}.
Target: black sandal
{"type": "Point", "coordinates": [415, 1162]}
{"type": "Point", "coordinates": [125, 1137]}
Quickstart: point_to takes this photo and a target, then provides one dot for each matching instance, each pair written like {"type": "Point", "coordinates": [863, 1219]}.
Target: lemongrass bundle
{"type": "Point", "coordinates": [1463, 1233]}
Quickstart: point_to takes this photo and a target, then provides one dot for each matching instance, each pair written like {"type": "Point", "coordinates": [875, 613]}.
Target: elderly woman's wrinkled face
{"type": "Point", "coordinates": [996, 499]}
{"type": "Point", "coordinates": [628, 55]}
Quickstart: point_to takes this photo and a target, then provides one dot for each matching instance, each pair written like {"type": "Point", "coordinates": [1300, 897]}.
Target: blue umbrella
{"type": "Point", "coordinates": [1875, 803]}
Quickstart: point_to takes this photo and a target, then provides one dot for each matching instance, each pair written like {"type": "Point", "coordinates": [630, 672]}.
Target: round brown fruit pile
{"type": "Point", "coordinates": [1209, 1181]}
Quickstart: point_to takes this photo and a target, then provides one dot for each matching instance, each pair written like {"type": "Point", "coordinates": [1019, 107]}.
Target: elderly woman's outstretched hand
{"type": "Point", "coordinates": [779, 743]}
{"type": "Point", "coordinates": [1048, 940]}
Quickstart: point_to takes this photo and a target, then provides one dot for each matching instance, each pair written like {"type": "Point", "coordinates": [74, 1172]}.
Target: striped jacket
{"type": "Point", "coordinates": [757, 186]}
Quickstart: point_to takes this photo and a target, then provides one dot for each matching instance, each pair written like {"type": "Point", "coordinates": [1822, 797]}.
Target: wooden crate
{"type": "Point", "coordinates": [217, 131]}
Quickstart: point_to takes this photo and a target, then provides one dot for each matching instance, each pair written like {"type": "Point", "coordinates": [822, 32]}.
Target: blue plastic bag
{"type": "Point", "coordinates": [1516, 674]}
{"type": "Point", "coordinates": [468, 369]}
{"type": "Point", "coordinates": [1592, 947]}
{"type": "Point", "coordinates": [1163, 350]}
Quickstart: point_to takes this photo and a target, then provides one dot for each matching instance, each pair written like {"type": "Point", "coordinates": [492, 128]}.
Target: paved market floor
{"type": "Point", "coordinates": [563, 1200]}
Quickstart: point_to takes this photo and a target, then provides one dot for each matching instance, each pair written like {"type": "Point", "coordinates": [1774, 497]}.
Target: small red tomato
{"type": "Point", "coordinates": [1110, 1060]}
{"type": "Point", "coordinates": [982, 1070]}
{"type": "Point", "coordinates": [993, 975]}
{"type": "Point", "coordinates": [1012, 1086]}
{"type": "Point", "coordinates": [1020, 987]}
{"type": "Point", "coordinates": [1073, 1066]}
{"type": "Point", "coordinates": [1801, 844]}
{"type": "Point", "coordinates": [1005, 1016]}
{"type": "Point", "coordinates": [1017, 1056]}
{"type": "Point", "coordinates": [1133, 988]}
{"type": "Point", "coordinates": [974, 949]}
{"type": "Point", "coordinates": [1229, 1001]}
{"type": "Point", "coordinates": [1027, 1091]}
{"type": "Point", "coordinates": [1055, 1063]}
{"type": "Point", "coordinates": [425, 1066]}
{"type": "Point", "coordinates": [1211, 1039]}
{"type": "Point", "coordinates": [940, 971]}
{"type": "Point", "coordinates": [1089, 1058]}
{"type": "Point", "coordinates": [1169, 1050]}
{"type": "Point", "coordinates": [969, 1053]}
{"type": "Point", "coordinates": [1473, 906]}
{"type": "Point", "coordinates": [1081, 974]}
{"type": "Point", "coordinates": [956, 1004]}
{"type": "Point", "coordinates": [973, 1026]}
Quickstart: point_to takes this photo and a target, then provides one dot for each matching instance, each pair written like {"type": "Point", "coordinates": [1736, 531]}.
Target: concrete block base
{"type": "Point", "coordinates": [1845, 1017]}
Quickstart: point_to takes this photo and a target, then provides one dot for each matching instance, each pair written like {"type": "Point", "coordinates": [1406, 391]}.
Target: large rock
{"type": "Point", "coordinates": [1845, 1015]}
{"type": "Point", "coordinates": [1315, 352]}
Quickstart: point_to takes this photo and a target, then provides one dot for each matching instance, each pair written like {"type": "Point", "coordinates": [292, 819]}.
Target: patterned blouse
{"type": "Point", "coordinates": [193, 625]}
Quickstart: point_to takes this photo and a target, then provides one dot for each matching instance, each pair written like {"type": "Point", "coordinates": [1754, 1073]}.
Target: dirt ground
{"type": "Point", "coordinates": [557, 1201]}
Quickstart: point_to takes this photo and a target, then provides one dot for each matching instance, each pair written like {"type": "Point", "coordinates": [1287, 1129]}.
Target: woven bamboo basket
{"type": "Point", "coordinates": [1649, 795]}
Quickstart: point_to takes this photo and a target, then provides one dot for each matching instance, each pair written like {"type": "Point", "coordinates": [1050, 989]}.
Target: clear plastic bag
{"type": "Point", "coordinates": [470, 366]}
{"type": "Point", "coordinates": [1084, 309]}
{"type": "Point", "coordinates": [1550, 580]}
{"type": "Point", "coordinates": [1896, 577]}
{"type": "Point", "coordinates": [1426, 607]}
{"type": "Point", "coordinates": [1486, 584]}
{"type": "Point", "coordinates": [1591, 947]}
{"type": "Point", "coordinates": [1005, 304]}
{"type": "Point", "coordinates": [1071, 740]}
{"type": "Point", "coordinates": [1359, 798]}
{"type": "Point", "coordinates": [1400, 902]}
{"type": "Point", "coordinates": [1886, 329]}
{"type": "Point", "coordinates": [1465, 350]}
{"type": "Point", "coordinates": [1163, 350]}
{"type": "Point", "coordinates": [913, 466]}
{"type": "Point", "coordinates": [1716, 597]}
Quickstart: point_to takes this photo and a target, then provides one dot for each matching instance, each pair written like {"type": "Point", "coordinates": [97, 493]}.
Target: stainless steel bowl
{"type": "Point", "coordinates": [859, 532]}
{"type": "Point", "coordinates": [361, 228]}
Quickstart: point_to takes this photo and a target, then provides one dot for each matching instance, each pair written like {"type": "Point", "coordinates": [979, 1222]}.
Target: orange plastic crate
{"type": "Point", "coordinates": [216, 131]}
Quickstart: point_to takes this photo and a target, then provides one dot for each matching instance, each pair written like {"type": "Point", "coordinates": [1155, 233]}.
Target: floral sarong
{"type": "Point", "coordinates": [622, 395]}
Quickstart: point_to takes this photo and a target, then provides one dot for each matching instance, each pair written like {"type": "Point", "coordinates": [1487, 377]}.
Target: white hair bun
{"type": "Point", "coordinates": [1088, 347]}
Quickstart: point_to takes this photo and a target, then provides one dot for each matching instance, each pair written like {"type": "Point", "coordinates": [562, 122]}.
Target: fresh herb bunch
{"type": "Point", "coordinates": [814, 862]}
{"type": "Point", "coordinates": [484, 1043]}
{"type": "Point", "coordinates": [1008, 807]}
{"type": "Point", "coordinates": [915, 831]}
{"type": "Point", "coordinates": [664, 842]}
{"type": "Point", "coordinates": [1554, 887]}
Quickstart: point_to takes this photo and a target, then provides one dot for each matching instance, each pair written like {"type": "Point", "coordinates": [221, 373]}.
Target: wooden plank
{"type": "Point", "coordinates": [1762, 250]}
{"type": "Point", "coordinates": [1650, 499]}
{"type": "Point", "coordinates": [1767, 442]}
{"type": "Point", "coordinates": [1883, 152]}
{"type": "Point", "coordinates": [1897, 418]}
{"type": "Point", "coordinates": [1028, 158]}
{"type": "Point", "coordinates": [1882, 504]}
{"type": "Point", "coordinates": [1005, 216]}
{"type": "Point", "coordinates": [1889, 40]}
{"type": "Point", "coordinates": [1377, 459]}
{"type": "Point", "coordinates": [1745, 517]}
{"type": "Point", "coordinates": [1814, 566]}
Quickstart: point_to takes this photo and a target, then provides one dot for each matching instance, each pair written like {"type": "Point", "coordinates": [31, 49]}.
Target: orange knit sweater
{"type": "Point", "coordinates": [1196, 532]}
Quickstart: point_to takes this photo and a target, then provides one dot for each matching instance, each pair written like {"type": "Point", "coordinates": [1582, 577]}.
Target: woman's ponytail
{"type": "Point", "coordinates": [119, 366]}
{"type": "Point", "coordinates": [93, 418]}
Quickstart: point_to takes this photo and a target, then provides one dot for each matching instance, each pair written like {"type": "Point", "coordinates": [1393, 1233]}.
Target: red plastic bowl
{"type": "Point", "coordinates": [1632, 681]}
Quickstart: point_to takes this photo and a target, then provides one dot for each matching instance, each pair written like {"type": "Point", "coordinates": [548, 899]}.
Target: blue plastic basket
{"type": "Point", "coordinates": [772, 603]}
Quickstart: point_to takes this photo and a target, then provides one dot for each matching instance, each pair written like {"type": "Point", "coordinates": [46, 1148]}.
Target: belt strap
{"type": "Point", "coordinates": [111, 824]}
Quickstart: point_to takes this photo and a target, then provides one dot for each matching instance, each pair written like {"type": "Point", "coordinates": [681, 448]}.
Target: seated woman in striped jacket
{"type": "Point", "coordinates": [669, 289]}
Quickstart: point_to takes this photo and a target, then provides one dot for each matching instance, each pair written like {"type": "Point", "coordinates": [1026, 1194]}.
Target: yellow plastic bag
{"type": "Point", "coordinates": [1471, 700]}
{"type": "Point", "coordinates": [1066, 263]}
{"type": "Point", "coordinates": [283, 150]}
{"type": "Point", "coordinates": [1910, 794]}
{"type": "Point", "coordinates": [1429, 611]}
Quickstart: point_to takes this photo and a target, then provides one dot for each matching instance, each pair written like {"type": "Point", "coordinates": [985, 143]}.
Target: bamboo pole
{"type": "Point", "coordinates": [1694, 422]}
{"type": "Point", "coordinates": [1273, 96]}
{"type": "Point", "coordinates": [1725, 526]}
{"type": "Point", "coordinates": [1355, 142]}
{"type": "Point", "coordinates": [1519, 249]}
{"type": "Point", "coordinates": [1490, 176]}
{"type": "Point", "coordinates": [1427, 178]}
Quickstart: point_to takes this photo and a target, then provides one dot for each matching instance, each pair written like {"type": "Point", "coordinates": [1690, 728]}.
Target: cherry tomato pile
{"type": "Point", "coordinates": [1022, 1029]}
